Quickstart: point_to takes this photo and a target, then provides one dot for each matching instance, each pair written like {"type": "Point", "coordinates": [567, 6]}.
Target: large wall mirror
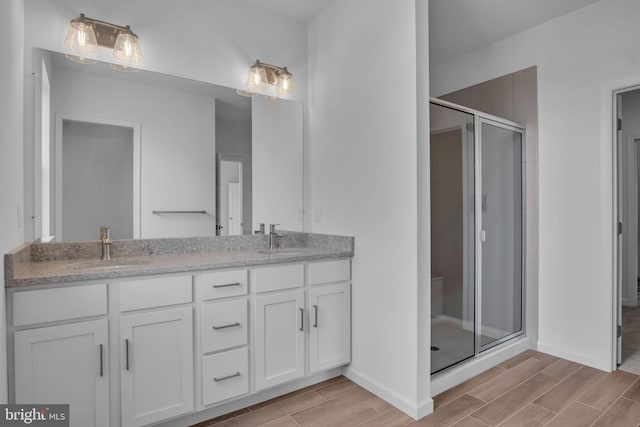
{"type": "Point", "coordinates": [154, 155]}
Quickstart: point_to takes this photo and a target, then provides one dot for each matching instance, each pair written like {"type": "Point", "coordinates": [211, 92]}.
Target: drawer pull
{"type": "Point", "coordinates": [231, 325]}
{"type": "Point", "coordinates": [126, 357]}
{"type": "Point", "coordinates": [101, 362]}
{"type": "Point", "coordinates": [301, 319]}
{"type": "Point", "coordinates": [228, 377]}
{"type": "Point", "coordinates": [226, 285]}
{"type": "Point", "coordinates": [315, 316]}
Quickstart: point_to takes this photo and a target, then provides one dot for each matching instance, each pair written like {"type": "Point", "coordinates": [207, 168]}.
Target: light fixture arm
{"type": "Point", "coordinates": [106, 32]}
{"type": "Point", "coordinates": [272, 71]}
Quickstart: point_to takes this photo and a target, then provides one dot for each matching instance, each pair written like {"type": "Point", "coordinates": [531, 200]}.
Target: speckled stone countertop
{"type": "Point", "coordinates": [46, 263]}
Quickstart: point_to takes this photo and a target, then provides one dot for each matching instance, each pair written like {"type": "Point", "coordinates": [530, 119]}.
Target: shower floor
{"type": "Point", "coordinates": [453, 340]}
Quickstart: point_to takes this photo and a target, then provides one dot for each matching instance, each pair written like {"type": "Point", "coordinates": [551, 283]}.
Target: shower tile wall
{"type": "Point", "coordinates": [446, 229]}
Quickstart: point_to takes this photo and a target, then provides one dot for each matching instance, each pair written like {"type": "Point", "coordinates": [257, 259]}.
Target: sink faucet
{"type": "Point", "coordinates": [273, 236]}
{"type": "Point", "coordinates": [105, 236]}
{"type": "Point", "coordinates": [261, 228]}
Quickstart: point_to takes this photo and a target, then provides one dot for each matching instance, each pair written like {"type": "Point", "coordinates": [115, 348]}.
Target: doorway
{"type": "Point", "coordinates": [229, 203]}
{"type": "Point", "coordinates": [627, 175]}
{"type": "Point", "coordinates": [97, 178]}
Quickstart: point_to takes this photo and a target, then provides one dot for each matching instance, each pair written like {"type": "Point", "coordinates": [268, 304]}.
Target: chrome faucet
{"type": "Point", "coordinates": [273, 236]}
{"type": "Point", "coordinates": [261, 229]}
{"type": "Point", "coordinates": [105, 236]}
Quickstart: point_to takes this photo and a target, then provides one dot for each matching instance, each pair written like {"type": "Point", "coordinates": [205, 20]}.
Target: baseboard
{"type": "Point", "coordinates": [573, 356]}
{"type": "Point", "coordinates": [456, 375]}
{"type": "Point", "coordinates": [415, 410]}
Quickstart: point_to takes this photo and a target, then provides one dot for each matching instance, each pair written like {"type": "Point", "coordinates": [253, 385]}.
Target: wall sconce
{"type": "Point", "coordinates": [86, 34]}
{"type": "Point", "coordinates": [262, 75]}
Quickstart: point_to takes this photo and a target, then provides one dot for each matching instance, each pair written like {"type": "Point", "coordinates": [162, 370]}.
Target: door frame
{"type": "Point", "coordinates": [60, 118]}
{"type": "Point", "coordinates": [220, 157]}
{"type": "Point", "coordinates": [609, 206]}
{"type": "Point", "coordinates": [482, 119]}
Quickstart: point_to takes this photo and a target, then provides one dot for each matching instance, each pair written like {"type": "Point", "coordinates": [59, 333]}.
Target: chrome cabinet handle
{"type": "Point", "coordinates": [126, 357]}
{"type": "Point", "coordinates": [101, 362]}
{"type": "Point", "coordinates": [315, 316]}
{"type": "Point", "coordinates": [157, 212]}
{"type": "Point", "coordinates": [228, 377]}
{"type": "Point", "coordinates": [231, 325]}
{"type": "Point", "coordinates": [301, 319]}
{"type": "Point", "coordinates": [226, 285]}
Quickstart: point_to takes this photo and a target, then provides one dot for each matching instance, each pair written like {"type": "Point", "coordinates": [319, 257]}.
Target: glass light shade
{"type": "Point", "coordinates": [80, 36]}
{"type": "Point", "coordinates": [245, 93]}
{"type": "Point", "coordinates": [127, 49]}
{"type": "Point", "coordinates": [286, 84]}
{"type": "Point", "coordinates": [81, 59]}
{"type": "Point", "coordinates": [124, 68]}
{"type": "Point", "coordinates": [257, 78]}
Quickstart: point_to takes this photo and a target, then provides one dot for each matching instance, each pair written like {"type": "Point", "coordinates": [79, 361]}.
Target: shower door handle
{"type": "Point", "coordinates": [483, 236]}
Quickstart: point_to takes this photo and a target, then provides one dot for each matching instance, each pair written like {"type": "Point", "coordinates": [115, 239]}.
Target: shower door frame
{"type": "Point", "coordinates": [479, 119]}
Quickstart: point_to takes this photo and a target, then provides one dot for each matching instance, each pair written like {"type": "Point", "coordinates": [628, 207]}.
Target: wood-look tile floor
{"type": "Point", "coordinates": [531, 389]}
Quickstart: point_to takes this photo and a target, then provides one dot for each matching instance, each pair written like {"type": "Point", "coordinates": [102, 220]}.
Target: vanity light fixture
{"type": "Point", "coordinates": [84, 35]}
{"type": "Point", "coordinates": [262, 75]}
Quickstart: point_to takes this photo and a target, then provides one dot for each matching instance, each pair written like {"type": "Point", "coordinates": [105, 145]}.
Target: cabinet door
{"type": "Point", "coordinates": [65, 364]}
{"type": "Point", "coordinates": [330, 329]}
{"type": "Point", "coordinates": [156, 365]}
{"type": "Point", "coordinates": [279, 338]}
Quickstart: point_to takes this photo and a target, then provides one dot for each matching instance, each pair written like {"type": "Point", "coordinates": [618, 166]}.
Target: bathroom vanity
{"type": "Point", "coordinates": [175, 331]}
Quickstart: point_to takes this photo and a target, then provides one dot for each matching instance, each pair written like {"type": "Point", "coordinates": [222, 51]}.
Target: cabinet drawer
{"type": "Point", "coordinates": [155, 292]}
{"type": "Point", "coordinates": [50, 305]}
{"type": "Point", "coordinates": [224, 325]}
{"type": "Point", "coordinates": [222, 284]}
{"type": "Point", "coordinates": [277, 278]}
{"type": "Point", "coordinates": [225, 375]}
{"type": "Point", "coordinates": [330, 271]}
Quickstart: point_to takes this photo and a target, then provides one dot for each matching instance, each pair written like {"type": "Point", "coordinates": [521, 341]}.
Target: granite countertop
{"type": "Point", "coordinates": [47, 263]}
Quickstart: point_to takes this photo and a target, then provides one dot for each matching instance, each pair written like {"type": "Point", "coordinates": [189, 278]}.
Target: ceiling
{"type": "Point", "coordinates": [302, 10]}
{"type": "Point", "coordinates": [456, 27]}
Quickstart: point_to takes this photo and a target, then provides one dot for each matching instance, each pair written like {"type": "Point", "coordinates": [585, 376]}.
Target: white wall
{"type": "Point", "coordinates": [363, 148]}
{"type": "Point", "coordinates": [211, 41]}
{"type": "Point", "coordinates": [11, 83]}
{"type": "Point", "coordinates": [580, 57]}
{"type": "Point", "coordinates": [177, 145]}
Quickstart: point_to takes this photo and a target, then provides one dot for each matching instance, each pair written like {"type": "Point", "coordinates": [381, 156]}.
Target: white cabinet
{"type": "Point", "coordinates": [330, 326]}
{"type": "Point", "coordinates": [252, 330]}
{"type": "Point", "coordinates": [279, 338]}
{"type": "Point", "coordinates": [156, 365]}
{"type": "Point", "coordinates": [65, 364]}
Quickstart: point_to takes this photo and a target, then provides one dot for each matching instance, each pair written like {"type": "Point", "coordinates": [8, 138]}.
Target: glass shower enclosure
{"type": "Point", "coordinates": [477, 233]}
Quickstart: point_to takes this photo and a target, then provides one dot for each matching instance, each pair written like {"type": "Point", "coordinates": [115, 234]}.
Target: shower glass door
{"type": "Point", "coordinates": [477, 233]}
{"type": "Point", "coordinates": [453, 337]}
{"type": "Point", "coordinates": [501, 233]}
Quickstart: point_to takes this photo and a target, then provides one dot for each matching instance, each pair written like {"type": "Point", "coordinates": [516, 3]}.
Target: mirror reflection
{"type": "Point", "coordinates": [155, 156]}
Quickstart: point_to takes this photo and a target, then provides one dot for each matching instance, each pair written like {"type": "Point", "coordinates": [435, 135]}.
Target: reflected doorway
{"type": "Point", "coordinates": [229, 206]}
{"type": "Point", "coordinates": [97, 179]}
